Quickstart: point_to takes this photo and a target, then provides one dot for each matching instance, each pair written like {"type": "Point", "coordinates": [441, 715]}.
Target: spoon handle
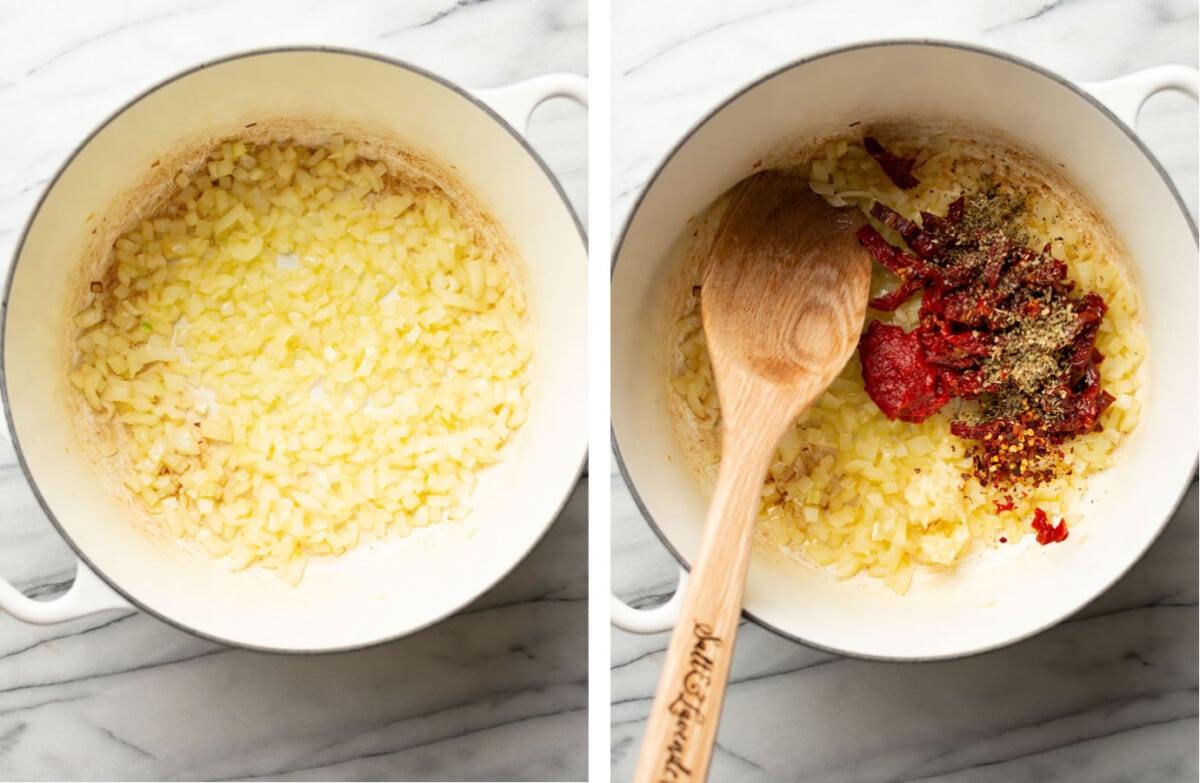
{"type": "Point", "coordinates": [682, 727]}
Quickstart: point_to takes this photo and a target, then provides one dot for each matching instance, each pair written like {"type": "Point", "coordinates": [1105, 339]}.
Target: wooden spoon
{"type": "Point", "coordinates": [783, 303]}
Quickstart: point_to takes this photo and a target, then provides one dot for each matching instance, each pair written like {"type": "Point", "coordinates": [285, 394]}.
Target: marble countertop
{"type": "Point", "coordinates": [498, 692]}
{"type": "Point", "coordinates": [1110, 694]}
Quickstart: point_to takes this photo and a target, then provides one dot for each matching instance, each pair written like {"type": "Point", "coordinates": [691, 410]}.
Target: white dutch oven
{"type": "Point", "coordinates": [374, 593]}
{"type": "Point", "coordinates": [999, 598]}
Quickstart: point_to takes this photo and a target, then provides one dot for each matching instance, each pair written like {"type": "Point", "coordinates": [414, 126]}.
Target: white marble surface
{"type": "Point", "coordinates": [1109, 695]}
{"type": "Point", "coordinates": [498, 692]}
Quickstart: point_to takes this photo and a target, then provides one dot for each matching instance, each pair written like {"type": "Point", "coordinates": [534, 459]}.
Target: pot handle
{"type": "Point", "coordinates": [1125, 95]}
{"type": "Point", "coordinates": [516, 102]}
{"type": "Point", "coordinates": [88, 594]}
{"type": "Point", "coordinates": [656, 620]}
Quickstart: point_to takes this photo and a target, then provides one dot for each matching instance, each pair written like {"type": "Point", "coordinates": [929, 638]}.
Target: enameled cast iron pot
{"type": "Point", "coordinates": [1002, 597]}
{"type": "Point", "coordinates": [371, 594]}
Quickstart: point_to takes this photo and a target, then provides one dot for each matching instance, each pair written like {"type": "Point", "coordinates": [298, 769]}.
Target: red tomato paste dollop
{"type": "Point", "coordinates": [898, 377]}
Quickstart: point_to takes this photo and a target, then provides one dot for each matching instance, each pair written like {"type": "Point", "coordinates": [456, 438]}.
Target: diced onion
{"type": "Point", "coordinates": [297, 355]}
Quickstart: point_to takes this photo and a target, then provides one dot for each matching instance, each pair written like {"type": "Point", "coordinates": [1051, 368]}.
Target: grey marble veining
{"type": "Point", "coordinates": [498, 692]}
{"type": "Point", "coordinates": [1110, 694]}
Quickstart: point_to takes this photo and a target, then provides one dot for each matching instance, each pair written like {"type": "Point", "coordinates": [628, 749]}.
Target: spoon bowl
{"type": "Point", "coordinates": [785, 290]}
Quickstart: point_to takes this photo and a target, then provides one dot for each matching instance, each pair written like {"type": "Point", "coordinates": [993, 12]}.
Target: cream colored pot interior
{"type": "Point", "coordinates": [1008, 594]}
{"type": "Point", "coordinates": [390, 587]}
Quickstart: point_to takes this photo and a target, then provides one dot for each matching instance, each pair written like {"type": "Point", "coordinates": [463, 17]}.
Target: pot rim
{"type": "Point", "coordinates": [884, 43]}
{"type": "Point", "coordinates": [20, 246]}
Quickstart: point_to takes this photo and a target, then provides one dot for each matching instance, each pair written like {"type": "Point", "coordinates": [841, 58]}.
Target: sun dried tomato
{"type": "Point", "coordinates": [965, 384]}
{"type": "Point", "coordinates": [898, 169]}
{"type": "Point", "coordinates": [1047, 533]}
{"type": "Point", "coordinates": [893, 299]}
{"type": "Point", "coordinates": [1091, 311]}
{"type": "Point", "coordinates": [895, 260]}
{"type": "Point", "coordinates": [924, 243]}
{"type": "Point", "coordinates": [960, 350]}
{"type": "Point", "coordinates": [1081, 406]}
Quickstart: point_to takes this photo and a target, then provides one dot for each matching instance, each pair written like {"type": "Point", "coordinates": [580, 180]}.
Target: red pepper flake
{"type": "Point", "coordinates": [1006, 505]}
{"type": "Point", "coordinates": [1047, 533]}
{"type": "Point", "coordinates": [1003, 539]}
{"type": "Point", "coordinates": [898, 169]}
